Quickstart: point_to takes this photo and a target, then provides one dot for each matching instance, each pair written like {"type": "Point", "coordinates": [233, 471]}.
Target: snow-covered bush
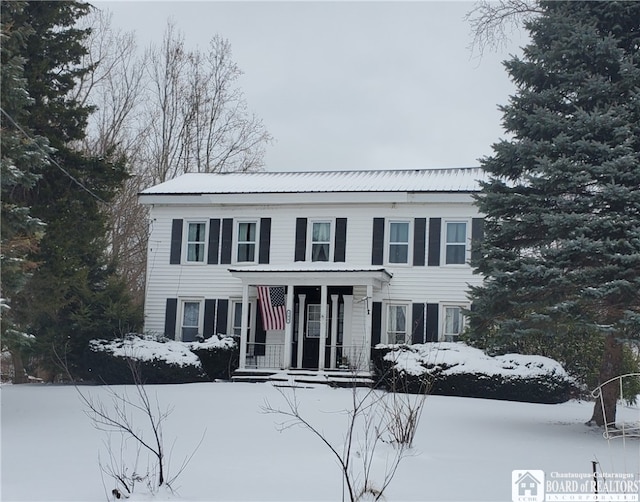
{"type": "Point", "coordinates": [456, 369]}
{"type": "Point", "coordinates": [160, 360]}
{"type": "Point", "coordinates": [218, 355]}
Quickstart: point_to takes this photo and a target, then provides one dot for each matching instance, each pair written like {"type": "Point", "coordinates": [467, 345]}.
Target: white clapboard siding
{"type": "Point", "coordinates": [413, 284]}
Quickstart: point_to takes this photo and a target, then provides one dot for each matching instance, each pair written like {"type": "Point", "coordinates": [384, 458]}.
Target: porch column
{"type": "Point", "coordinates": [334, 330]}
{"type": "Point", "coordinates": [301, 306]}
{"type": "Point", "coordinates": [323, 326]}
{"type": "Point", "coordinates": [288, 329]}
{"type": "Point", "coordinates": [244, 324]}
{"type": "Point", "coordinates": [365, 357]}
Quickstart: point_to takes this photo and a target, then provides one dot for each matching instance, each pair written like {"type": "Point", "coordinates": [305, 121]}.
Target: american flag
{"type": "Point", "coordinates": [272, 306]}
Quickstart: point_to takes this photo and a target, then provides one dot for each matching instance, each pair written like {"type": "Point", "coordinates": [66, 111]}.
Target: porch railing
{"type": "Point", "coordinates": [265, 355]}
{"type": "Point", "coordinates": [271, 356]}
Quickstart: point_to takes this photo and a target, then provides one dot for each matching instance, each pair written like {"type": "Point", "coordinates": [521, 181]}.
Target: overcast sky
{"type": "Point", "coordinates": [351, 85]}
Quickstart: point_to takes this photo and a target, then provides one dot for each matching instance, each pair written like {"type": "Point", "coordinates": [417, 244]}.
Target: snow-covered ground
{"type": "Point", "coordinates": [465, 449]}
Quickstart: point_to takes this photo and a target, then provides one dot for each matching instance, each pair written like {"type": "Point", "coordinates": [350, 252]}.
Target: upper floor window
{"type": "Point", "coordinates": [320, 241]}
{"type": "Point", "coordinates": [196, 239]}
{"type": "Point", "coordinates": [456, 243]}
{"type": "Point", "coordinates": [398, 242]}
{"type": "Point", "coordinates": [247, 231]}
{"type": "Point", "coordinates": [397, 323]}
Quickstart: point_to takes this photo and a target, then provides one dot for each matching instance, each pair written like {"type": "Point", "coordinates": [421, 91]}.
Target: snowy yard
{"type": "Point", "coordinates": [465, 449]}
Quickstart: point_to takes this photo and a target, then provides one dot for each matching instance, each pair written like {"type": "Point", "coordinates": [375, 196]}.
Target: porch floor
{"type": "Point", "coordinates": [301, 377]}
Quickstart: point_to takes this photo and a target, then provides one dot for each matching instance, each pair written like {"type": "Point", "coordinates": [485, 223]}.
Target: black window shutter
{"type": "Point", "coordinates": [432, 322]}
{"type": "Point", "coordinates": [221, 318]}
{"type": "Point", "coordinates": [265, 240]}
{"type": "Point", "coordinates": [339, 252]}
{"type": "Point", "coordinates": [417, 323]}
{"type": "Point", "coordinates": [227, 240]}
{"type": "Point", "coordinates": [435, 227]}
{"type": "Point", "coordinates": [170, 314]}
{"type": "Point", "coordinates": [214, 241]}
{"type": "Point", "coordinates": [301, 239]}
{"type": "Point", "coordinates": [419, 241]}
{"type": "Point", "coordinates": [209, 317]}
{"type": "Point", "coordinates": [377, 245]}
{"type": "Point", "coordinates": [176, 242]}
{"type": "Point", "coordinates": [477, 236]}
{"type": "Point", "coordinates": [376, 323]}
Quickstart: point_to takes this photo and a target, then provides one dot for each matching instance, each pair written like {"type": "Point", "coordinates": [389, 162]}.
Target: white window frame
{"type": "Point", "coordinates": [330, 242]}
{"type": "Point", "coordinates": [445, 244]}
{"type": "Point", "coordinates": [203, 242]}
{"type": "Point", "coordinates": [407, 312]}
{"type": "Point", "coordinates": [452, 337]}
{"type": "Point", "coordinates": [183, 301]}
{"type": "Point", "coordinates": [409, 243]}
{"type": "Point", "coordinates": [238, 242]}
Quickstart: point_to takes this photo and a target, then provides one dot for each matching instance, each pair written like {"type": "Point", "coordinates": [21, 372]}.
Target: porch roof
{"type": "Point", "coordinates": [304, 273]}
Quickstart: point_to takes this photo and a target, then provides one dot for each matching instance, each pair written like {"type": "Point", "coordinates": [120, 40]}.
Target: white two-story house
{"type": "Point", "coordinates": [312, 269]}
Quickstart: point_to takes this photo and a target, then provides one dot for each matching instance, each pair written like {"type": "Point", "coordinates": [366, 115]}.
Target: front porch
{"type": "Point", "coordinates": [325, 327]}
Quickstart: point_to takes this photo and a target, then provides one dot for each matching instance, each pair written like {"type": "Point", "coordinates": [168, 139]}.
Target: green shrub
{"type": "Point", "coordinates": [158, 361]}
{"type": "Point", "coordinates": [458, 370]}
{"type": "Point", "coordinates": [219, 356]}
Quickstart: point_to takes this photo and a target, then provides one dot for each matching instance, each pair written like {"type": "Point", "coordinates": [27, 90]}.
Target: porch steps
{"type": "Point", "coordinates": [305, 378]}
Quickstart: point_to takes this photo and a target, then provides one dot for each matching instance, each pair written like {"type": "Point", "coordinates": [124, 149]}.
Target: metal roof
{"type": "Point", "coordinates": [413, 180]}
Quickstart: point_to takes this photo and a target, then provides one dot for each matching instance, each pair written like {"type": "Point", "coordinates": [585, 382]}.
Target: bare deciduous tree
{"type": "Point", "coordinates": [164, 112]}
{"type": "Point", "coordinates": [114, 88]}
{"type": "Point", "coordinates": [198, 118]}
{"type": "Point", "coordinates": [375, 418]}
{"type": "Point", "coordinates": [493, 22]}
{"type": "Point", "coordinates": [138, 420]}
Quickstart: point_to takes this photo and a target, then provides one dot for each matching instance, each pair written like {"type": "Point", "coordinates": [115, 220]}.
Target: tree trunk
{"type": "Point", "coordinates": [19, 375]}
{"type": "Point", "coordinates": [604, 409]}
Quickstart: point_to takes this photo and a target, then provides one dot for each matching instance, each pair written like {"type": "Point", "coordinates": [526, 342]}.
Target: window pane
{"type": "Point", "coordinates": [399, 242]}
{"type": "Point", "coordinates": [397, 318]}
{"type": "Point", "coordinates": [321, 232]}
{"type": "Point", "coordinates": [195, 242]}
{"type": "Point", "coordinates": [320, 252]}
{"type": "Point", "coordinates": [455, 254]}
{"type": "Point", "coordinates": [398, 253]}
{"type": "Point", "coordinates": [196, 232]}
{"type": "Point", "coordinates": [246, 252]}
{"type": "Point", "coordinates": [191, 314]}
{"type": "Point", "coordinates": [399, 232]}
{"type": "Point", "coordinates": [247, 232]}
{"type": "Point", "coordinates": [452, 322]}
{"type": "Point", "coordinates": [456, 232]}
{"type": "Point", "coordinates": [195, 252]}
{"type": "Point", "coordinates": [313, 321]}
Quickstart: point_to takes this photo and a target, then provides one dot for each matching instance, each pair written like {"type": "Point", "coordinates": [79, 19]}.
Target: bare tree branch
{"type": "Point", "coordinates": [374, 418]}
{"type": "Point", "coordinates": [492, 23]}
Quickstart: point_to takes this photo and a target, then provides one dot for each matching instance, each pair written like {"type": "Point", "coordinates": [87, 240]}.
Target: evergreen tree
{"type": "Point", "coordinates": [73, 295]}
{"type": "Point", "coordinates": [22, 155]}
{"type": "Point", "coordinates": [562, 231]}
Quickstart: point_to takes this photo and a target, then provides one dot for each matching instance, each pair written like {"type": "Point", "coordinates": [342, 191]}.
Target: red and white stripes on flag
{"type": "Point", "coordinates": [272, 306]}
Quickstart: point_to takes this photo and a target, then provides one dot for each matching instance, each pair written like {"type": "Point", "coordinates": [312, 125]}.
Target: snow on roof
{"type": "Point", "coordinates": [410, 180]}
{"type": "Point", "coordinates": [315, 266]}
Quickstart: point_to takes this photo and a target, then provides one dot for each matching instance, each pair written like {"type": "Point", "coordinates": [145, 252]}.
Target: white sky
{"type": "Point", "coordinates": [351, 85]}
